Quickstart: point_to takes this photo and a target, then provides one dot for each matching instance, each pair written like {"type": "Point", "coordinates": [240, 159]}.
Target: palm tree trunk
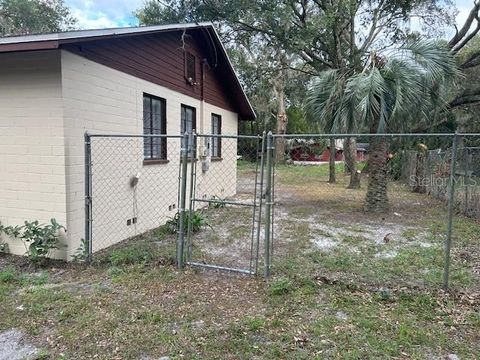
{"type": "Point", "coordinates": [377, 198]}
{"type": "Point", "coordinates": [420, 173]}
{"type": "Point", "coordinates": [331, 162]}
{"type": "Point", "coordinates": [282, 118]}
{"type": "Point", "coordinates": [350, 151]}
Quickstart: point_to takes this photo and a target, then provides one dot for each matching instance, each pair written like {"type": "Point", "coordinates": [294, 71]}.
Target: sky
{"type": "Point", "coordinates": [110, 13]}
{"type": "Point", "coordinates": [96, 14]}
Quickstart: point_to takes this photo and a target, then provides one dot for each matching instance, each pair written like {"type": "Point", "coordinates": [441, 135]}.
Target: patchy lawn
{"type": "Point", "coordinates": [345, 285]}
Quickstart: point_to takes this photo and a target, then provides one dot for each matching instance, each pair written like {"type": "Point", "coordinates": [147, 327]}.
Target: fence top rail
{"type": "Point", "coordinates": [340, 136]}
{"type": "Point", "coordinates": [172, 136]}
{"type": "Point", "coordinates": [133, 136]}
{"type": "Point", "coordinates": [286, 136]}
{"type": "Point", "coordinates": [229, 136]}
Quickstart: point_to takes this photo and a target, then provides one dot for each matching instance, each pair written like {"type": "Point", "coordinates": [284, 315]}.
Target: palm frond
{"type": "Point", "coordinates": [409, 86]}
{"type": "Point", "coordinates": [323, 100]}
{"type": "Point", "coordinates": [432, 58]}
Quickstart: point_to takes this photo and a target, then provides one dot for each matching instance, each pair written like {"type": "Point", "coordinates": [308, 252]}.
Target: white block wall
{"type": "Point", "coordinates": [103, 100]}
{"type": "Point", "coordinates": [32, 162]}
{"type": "Point", "coordinates": [47, 101]}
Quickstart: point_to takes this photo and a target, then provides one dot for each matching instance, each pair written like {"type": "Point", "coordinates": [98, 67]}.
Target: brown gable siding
{"type": "Point", "coordinates": [159, 58]}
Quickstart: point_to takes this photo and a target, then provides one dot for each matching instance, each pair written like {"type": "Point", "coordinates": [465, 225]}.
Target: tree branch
{"type": "Point", "coordinates": [473, 60]}
{"type": "Point", "coordinates": [465, 41]}
{"type": "Point", "coordinates": [466, 99]}
{"type": "Point", "coordinates": [460, 34]}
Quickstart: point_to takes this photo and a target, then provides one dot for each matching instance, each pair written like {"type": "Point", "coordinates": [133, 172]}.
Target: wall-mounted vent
{"type": "Point", "coordinates": [190, 73]}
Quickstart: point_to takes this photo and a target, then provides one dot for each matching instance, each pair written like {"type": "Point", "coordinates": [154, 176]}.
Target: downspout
{"type": "Point", "coordinates": [204, 143]}
{"type": "Point", "coordinates": [202, 97]}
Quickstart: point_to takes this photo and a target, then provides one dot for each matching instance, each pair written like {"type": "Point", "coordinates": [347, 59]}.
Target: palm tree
{"type": "Point", "coordinates": [395, 89]}
{"type": "Point", "coordinates": [323, 104]}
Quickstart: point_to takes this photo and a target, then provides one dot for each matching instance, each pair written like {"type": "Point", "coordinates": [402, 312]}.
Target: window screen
{"type": "Point", "coordinates": [216, 142]}
{"type": "Point", "coordinates": [154, 123]}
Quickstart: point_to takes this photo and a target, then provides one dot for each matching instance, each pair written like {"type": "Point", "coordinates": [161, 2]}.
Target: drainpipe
{"type": "Point", "coordinates": [202, 98]}
{"type": "Point", "coordinates": [202, 130]}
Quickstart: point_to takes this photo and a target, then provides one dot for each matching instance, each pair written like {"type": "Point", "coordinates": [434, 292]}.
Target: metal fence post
{"type": "Point", "coordinates": [183, 199]}
{"type": "Point", "coordinates": [192, 139]}
{"type": "Point", "coordinates": [451, 194]}
{"type": "Point", "coordinates": [268, 202]}
{"type": "Point", "coordinates": [88, 197]}
{"type": "Point", "coordinates": [466, 177]}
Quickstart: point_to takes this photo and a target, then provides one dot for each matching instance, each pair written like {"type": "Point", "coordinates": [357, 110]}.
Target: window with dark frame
{"type": "Point", "coordinates": [190, 73]}
{"type": "Point", "coordinates": [216, 142]}
{"type": "Point", "coordinates": [154, 123]}
{"type": "Point", "coordinates": [188, 124]}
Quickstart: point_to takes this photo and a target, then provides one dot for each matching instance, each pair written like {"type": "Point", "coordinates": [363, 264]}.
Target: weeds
{"type": "Point", "coordinates": [82, 252]}
{"type": "Point", "coordinates": [8, 275]}
{"type": "Point", "coordinates": [133, 254]}
{"type": "Point", "coordinates": [280, 286]}
{"type": "Point", "coordinates": [196, 219]}
{"type": "Point", "coordinates": [217, 203]}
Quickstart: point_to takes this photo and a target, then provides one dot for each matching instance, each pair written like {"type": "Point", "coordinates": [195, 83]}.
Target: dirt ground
{"type": "Point", "coordinates": [314, 218]}
{"type": "Point", "coordinates": [344, 285]}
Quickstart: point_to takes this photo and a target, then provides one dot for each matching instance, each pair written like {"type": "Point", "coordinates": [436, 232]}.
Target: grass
{"type": "Point", "coordinates": [344, 302]}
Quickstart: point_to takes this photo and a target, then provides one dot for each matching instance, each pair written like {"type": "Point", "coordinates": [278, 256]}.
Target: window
{"type": "Point", "coordinates": [216, 142]}
{"type": "Point", "coordinates": [190, 74]}
{"type": "Point", "coordinates": [188, 123]}
{"type": "Point", "coordinates": [154, 123]}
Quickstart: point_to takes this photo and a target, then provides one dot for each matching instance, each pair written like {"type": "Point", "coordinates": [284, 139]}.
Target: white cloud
{"type": "Point", "coordinates": [104, 13]}
{"type": "Point", "coordinates": [86, 21]}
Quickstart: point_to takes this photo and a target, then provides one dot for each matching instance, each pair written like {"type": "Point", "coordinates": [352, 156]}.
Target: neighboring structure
{"type": "Point", "coordinates": [154, 80]}
{"type": "Point", "coordinates": [311, 150]}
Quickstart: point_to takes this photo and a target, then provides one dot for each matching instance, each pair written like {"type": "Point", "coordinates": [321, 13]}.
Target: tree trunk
{"type": "Point", "coordinates": [377, 198]}
{"type": "Point", "coordinates": [279, 92]}
{"type": "Point", "coordinates": [331, 162]}
{"type": "Point", "coordinates": [281, 119]}
{"type": "Point", "coordinates": [420, 173]}
{"type": "Point", "coordinates": [350, 153]}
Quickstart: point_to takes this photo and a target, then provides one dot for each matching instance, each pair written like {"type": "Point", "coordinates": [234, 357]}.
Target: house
{"type": "Point", "coordinates": [55, 87]}
{"type": "Point", "coordinates": [311, 150]}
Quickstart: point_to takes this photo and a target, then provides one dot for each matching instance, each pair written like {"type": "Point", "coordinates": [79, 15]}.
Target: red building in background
{"type": "Point", "coordinates": [314, 151]}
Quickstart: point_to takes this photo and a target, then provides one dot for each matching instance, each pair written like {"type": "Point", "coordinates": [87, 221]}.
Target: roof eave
{"type": "Point", "coordinates": [55, 40]}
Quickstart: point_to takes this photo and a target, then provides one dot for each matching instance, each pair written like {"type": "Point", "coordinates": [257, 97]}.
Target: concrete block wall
{"type": "Point", "coordinates": [48, 99]}
{"type": "Point", "coordinates": [32, 152]}
{"type": "Point", "coordinates": [103, 100]}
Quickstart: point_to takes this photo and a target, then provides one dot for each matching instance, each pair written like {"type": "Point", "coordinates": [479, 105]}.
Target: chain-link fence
{"type": "Point", "coordinates": [131, 189]}
{"type": "Point", "coordinates": [353, 219]}
{"type": "Point", "coordinates": [429, 171]}
{"type": "Point", "coordinates": [341, 203]}
{"type": "Point", "coordinates": [208, 189]}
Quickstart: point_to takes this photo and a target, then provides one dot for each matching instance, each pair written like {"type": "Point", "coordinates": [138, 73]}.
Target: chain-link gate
{"type": "Point", "coordinates": [224, 194]}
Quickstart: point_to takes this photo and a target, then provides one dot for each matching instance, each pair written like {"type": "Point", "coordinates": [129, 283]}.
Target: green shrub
{"type": "Point", "coordinates": [218, 203]}
{"type": "Point", "coordinates": [39, 239]}
{"type": "Point", "coordinates": [3, 246]}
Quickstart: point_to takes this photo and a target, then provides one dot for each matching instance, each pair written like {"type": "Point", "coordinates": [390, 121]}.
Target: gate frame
{"type": "Point", "coordinates": [185, 259]}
